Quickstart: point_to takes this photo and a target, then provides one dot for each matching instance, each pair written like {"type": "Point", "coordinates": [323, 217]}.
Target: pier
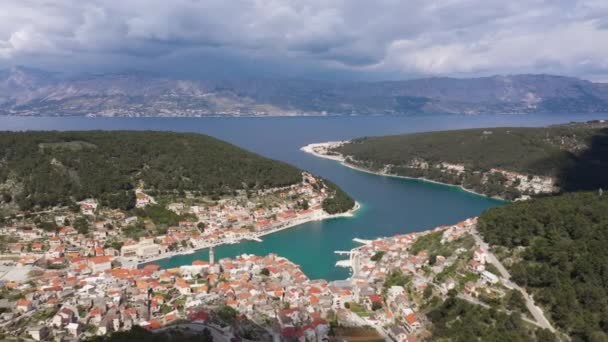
{"type": "Point", "coordinates": [344, 263]}
{"type": "Point", "coordinates": [362, 241]}
{"type": "Point", "coordinates": [351, 262]}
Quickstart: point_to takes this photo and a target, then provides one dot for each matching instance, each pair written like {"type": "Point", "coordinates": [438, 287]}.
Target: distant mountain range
{"type": "Point", "coordinates": [31, 92]}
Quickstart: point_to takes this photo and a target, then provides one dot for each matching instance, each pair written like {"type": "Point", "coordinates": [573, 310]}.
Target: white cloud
{"type": "Point", "coordinates": [416, 37]}
{"type": "Point", "coordinates": [570, 48]}
{"type": "Point", "coordinates": [23, 41]}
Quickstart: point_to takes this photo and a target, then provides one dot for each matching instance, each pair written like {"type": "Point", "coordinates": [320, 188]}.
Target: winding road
{"type": "Point", "coordinates": [505, 278]}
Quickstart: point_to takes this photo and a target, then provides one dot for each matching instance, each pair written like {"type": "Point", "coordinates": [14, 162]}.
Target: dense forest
{"type": "Point", "coordinates": [576, 155]}
{"type": "Point", "coordinates": [44, 169]}
{"type": "Point", "coordinates": [557, 248]}
{"type": "Point", "coordinates": [459, 321]}
{"type": "Point", "coordinates": [339, 201]}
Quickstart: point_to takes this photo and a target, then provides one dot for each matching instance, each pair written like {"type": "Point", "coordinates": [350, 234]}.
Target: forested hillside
{"type": "Point", "coordinates": [43, 169]}
{"type": "Point", "coordinates": [556, 247]}
{"type": "Point", "coordinates": [574, 156]}
{"type": "Point", "coordinates": [340, 201]}
{"type": "Point", "coordinates": [459, 321]}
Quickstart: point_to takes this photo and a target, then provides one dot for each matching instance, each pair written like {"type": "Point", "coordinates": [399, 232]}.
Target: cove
{"type": "Point", "coordinates": [390, 205]}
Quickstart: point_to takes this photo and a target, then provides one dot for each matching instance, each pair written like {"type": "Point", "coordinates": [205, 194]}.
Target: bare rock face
{"type": "Point", "coordinates": [30, 92]}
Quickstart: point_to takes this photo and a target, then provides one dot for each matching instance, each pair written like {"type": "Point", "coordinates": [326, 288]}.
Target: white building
{"type": "Point", "coordinates": [38, 332]}
{"type": "Point", "coordinates": [144, 248]}
{"type": "Point", "coordinates": [489, 277]}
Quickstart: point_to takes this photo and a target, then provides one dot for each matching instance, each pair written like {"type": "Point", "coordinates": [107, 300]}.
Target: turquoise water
{"type": "Point", "coordinates": [390, 205]}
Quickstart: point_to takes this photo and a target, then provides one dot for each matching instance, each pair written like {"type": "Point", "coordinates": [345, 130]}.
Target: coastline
{"type": "Point", "coordinates": [310, 149]}
{"type": "Point", "coordinates": [315, 217]}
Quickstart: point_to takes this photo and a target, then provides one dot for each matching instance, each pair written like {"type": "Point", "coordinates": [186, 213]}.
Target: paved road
{"type": "Point", "coordinates": [38, 212]}
{"type": "Point", "coordinates": [15, 273]}
{"type": "Point", "coordinates": [476, 301]}
{"type": "Point", "coordinates": [491, 257]}
{"type": "Point", "coordinates": [18, 318]}
{"type": "Point", "coordinates": [536, 312]}
{"type": "Point", "coordinates": [472, 300]}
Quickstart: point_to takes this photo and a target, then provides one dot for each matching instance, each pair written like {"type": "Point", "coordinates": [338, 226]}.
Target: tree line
{"type": "Point", "coordinates": [558, 247]}
{"type": "Point", "coordinates": [45, 169]}
{"type": "Point", "coordinates": [574, 154]}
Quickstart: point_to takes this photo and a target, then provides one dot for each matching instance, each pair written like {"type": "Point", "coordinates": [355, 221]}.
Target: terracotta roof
{"type": "Point", "coordinates": [411, 318]}
{"type": "Point", "coordinates": [375, 298]}
{"type": "Point", "coordinates": [100, 259]}
{"type": "Point", "coordinates": [154, 324]}
{"type": "Point", "coordinates": [152, 267]}
{"type": "Point", "coordinates": [23, 302]}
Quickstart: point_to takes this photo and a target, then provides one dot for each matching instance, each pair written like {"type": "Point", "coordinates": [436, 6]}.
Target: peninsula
{"type": "Point", "coordinates": [507, 163]}
{"type": "Point", "coordinates": [134, 197]}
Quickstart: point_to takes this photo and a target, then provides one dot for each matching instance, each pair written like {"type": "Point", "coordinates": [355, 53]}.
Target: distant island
{"type": "Point", "coordinates": [32, 92]}
{"type": "Point", "coordinates": [508, 162]}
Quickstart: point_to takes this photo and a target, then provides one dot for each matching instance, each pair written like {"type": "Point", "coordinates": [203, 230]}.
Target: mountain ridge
{"type": "Point", "coordinates": [32, 92]}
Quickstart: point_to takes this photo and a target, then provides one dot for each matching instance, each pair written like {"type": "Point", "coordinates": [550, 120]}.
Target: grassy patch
{"type": "Point", "coordinates": [359, 310]}
{"type": "Point", "coordinates": [359, 334]}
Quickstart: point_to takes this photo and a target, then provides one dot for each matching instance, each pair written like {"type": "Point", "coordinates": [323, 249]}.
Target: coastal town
{"type": "Point", "coordinates": [303, 171]}
{"type": "Point", "coordinates": [73, 295]}
{"type": "Point", "coordinates": [74, 273]}
{"type": "Point", "coordinates": [83, 271]}
{"type": "Point", "coordinates": [89, 239]}
{"type": "Point", "coordinates": [158, 228]}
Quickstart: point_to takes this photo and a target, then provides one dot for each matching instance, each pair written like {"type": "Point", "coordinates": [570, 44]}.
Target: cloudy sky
{"type": "Point", "coordinates": [353, 39]}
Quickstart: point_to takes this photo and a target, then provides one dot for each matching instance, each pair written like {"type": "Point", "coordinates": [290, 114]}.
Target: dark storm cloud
{"type": "Point", "coordinates": [343, 38]}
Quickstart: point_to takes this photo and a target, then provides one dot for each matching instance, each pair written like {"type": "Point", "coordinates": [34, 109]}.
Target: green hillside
{"type": "Point", "coordinates": [556, 247]}
{"type": "Point", "coordinates": [43, 169]}
{"type": "Point", "coordinates": [460, 321]}
{"type": "Point", "coordinates": [576, 155]}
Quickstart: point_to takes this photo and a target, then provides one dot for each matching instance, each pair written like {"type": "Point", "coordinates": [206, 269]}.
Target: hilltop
{"type": "Point", "coordinates": [30, 92]}
{"type": "Point", "coordinates": [46, 169]}
{"type": "Point", "coordinates": [508, 162]}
